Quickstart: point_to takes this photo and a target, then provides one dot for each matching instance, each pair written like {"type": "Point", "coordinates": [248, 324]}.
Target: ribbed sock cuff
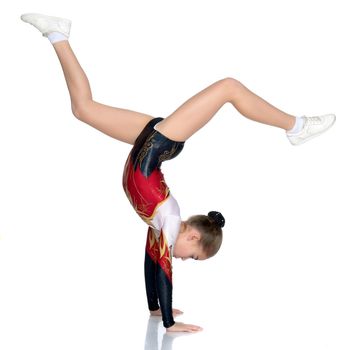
{"type": "Point", "coordinates": [55, 37]}
{"type": "Point", "coordinates": [299, 123]}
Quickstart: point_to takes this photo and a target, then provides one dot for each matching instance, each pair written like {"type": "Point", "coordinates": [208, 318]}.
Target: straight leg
{"type": "Point", "coordinates": [199, 109]}
{"type": "Point", "coordinates": [121, 124]}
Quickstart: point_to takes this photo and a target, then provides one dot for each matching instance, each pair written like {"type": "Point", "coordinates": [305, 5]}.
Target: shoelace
{"type": "Point", "coordinates": [313, 120]}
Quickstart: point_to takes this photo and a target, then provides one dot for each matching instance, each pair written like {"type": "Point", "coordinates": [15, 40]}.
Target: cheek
{"type": "Point", "coordinates": [181, 249]}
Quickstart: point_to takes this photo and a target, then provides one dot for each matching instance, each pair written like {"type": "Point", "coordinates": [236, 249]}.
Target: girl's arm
{"type": "Point", "coordinates": [165, 289]}
{"type": "Point", "coordinates": [164, 282]}
{"type": "Point", "coordinates": [158, 277]}
{"type": "Point", "coordinates": [151, 258]}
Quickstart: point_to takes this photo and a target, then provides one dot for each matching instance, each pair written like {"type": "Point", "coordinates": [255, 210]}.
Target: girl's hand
{"type": "Point", "coordinates": [158, 312]}
{"type": "Point", "coordinates": [183, 327]}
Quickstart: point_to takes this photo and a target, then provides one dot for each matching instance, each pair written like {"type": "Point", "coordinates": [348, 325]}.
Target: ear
{"type": "Point", "coordinates": [194, 235]}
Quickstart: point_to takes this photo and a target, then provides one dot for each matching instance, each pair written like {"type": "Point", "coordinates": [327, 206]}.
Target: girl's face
{"type": "Point", "coordinates": [187, 245]}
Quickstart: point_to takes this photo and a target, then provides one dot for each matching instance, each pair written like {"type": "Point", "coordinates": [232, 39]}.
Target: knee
{"type": "Point", "coordinates": [231, 85]}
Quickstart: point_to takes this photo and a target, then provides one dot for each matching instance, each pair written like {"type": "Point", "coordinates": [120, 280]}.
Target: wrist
{"type": "Point", "coordinates": [168, 324]}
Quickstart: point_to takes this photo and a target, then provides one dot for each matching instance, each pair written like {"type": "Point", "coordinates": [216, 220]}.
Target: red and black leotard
{"type": "Point", "coordinates": [148, 193]}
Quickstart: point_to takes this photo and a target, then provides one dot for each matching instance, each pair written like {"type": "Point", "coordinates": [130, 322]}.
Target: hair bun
{"type": "Point", "coordinates": [217, 217]}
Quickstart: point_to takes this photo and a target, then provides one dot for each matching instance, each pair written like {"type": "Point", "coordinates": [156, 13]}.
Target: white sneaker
{"type": "Point", "coordinates": [313, 126]}
{"type": "Point", "coordinates": [48, 24]}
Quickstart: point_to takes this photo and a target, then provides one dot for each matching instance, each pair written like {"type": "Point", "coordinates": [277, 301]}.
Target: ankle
{"type": "Point", "coordinates": [297, 125]}
{"type": "Point", "coordinates": [290, 123]}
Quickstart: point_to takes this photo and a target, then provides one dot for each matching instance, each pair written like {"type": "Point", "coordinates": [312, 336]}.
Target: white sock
{"type": "Point", "coordinates": [55, 37]}
{"type": "Point", "coordinates": [299, 123]}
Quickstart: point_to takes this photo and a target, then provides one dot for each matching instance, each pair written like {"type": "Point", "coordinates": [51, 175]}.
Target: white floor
{"type": "Point", "coordinates": [71, 247]}
{"type": "Point", "coordinates": [65, 294]}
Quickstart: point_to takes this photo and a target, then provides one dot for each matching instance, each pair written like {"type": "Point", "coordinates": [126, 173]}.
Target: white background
{"type": "Point", "coordinates": [72, 248]}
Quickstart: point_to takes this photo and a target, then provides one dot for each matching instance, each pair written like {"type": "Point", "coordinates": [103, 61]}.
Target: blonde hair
{"type": "Point", "coordinates": [210, 228]}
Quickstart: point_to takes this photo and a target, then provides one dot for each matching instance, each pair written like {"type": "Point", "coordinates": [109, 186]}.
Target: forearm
{"type": "Point", "coordinates": [151, 259]}
{"type": "Point", "coordinates": [150, 280]}
{"type": "Point", "coordinates": [165, 290]}
{"type": "Point", "coordinates": [164, 282]}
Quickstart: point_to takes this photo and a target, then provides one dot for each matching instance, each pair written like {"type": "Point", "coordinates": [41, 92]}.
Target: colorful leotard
{"type": "Point", "coordinates": [150, 196]}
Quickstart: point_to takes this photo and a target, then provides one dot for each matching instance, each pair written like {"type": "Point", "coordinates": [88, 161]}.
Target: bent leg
{"type": "Point", "coordinates": [199, 109]}
{"type": "Point", "coordinates": [121, 124]}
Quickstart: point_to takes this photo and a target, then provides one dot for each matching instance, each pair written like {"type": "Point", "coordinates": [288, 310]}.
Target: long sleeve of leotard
{"type": "Point", "coordinates": [151, 260]}
{"type": "Point", "coordinates": [158, 276]}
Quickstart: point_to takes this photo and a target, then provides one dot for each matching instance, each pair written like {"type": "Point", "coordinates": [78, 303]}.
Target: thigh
{"type": "Point", "coordinates": [122, 124]}
{"type": "Point", "coordinates": [195, 112]}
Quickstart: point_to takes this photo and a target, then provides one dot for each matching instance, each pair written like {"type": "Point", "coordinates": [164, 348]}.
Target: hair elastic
{"type": "Point", "coordinates": [217, 217]}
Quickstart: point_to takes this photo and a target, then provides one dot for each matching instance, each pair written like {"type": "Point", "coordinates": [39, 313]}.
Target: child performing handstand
{"type": "Point", "coordinates": [156, 140]}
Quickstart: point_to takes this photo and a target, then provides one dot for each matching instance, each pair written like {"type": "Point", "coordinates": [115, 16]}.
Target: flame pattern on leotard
{"type": "Point", "coordinates": [158, 251]}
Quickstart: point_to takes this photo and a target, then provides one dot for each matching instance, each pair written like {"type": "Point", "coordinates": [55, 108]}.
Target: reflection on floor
{"type": "Point", "coordinates": [156, 335]}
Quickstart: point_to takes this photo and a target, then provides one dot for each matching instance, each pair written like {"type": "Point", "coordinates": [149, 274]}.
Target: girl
{"type": "Point", "coordinates": [155, 140]}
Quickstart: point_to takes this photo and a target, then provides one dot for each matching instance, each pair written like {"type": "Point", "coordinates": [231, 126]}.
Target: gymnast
{"type": "Point", "coordinates": [155, 140]}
